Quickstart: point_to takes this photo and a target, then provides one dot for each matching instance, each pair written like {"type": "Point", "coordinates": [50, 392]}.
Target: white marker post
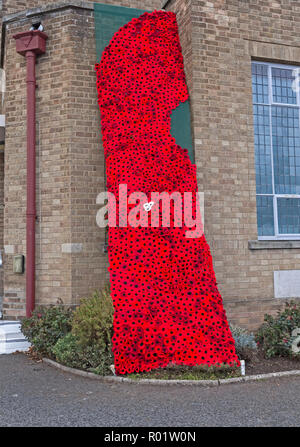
{"type": "Point", "coordinates": [243, 368]}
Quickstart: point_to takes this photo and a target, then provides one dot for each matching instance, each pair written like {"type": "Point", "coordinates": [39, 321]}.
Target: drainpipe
{"type": "Point", "coordinates": [30, 44]}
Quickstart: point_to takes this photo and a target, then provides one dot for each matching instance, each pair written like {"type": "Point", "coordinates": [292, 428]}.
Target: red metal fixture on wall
{"type": "Point", "coordinates": [30, 44]}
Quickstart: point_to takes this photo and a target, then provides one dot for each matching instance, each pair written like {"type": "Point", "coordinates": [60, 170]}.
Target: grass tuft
{"type": "Point", "coordinates": [181, 372]}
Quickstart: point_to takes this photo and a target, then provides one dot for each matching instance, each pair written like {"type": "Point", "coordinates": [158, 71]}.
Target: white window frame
{"type": "Point", "coordinates": [277, 236]}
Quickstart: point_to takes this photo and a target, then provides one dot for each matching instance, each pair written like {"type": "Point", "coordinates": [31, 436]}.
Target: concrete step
{"type": "Point", "coordinates": [11, 337]}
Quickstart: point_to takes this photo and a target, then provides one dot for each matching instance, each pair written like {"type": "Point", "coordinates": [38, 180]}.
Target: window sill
{"type": "Point", "coordinates": [266, 245]}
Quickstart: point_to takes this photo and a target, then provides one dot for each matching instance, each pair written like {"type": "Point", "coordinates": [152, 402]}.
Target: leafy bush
{"type": "Point", "coordinates": [275, 335]}
{"type": "Point", "coordinates": [46, 326]}
{"type": "Point", "coordinates": [245, 344]}
{"type": "Point", "coordinates": [79, 339]}
{"type": "Point", "coordinates": [92, 321]}
{"type": "Point", "coordinates": [69, 351]}
{"type": "Point", "coordinates": [90, 345]}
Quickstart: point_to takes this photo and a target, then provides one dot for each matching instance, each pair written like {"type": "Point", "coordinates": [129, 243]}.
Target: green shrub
{"type": "Point", "coordinates": [92, 321]}
{"type": "Point", "coordinates": [70, 352]}
{"type": "Point", "coordinates": [46, 326]}
{"type": "Point", "coordinates": [245, 344]}
{"type": "Point", "coordinates": [90, 345]}
{"type": "Point", "coordinates": [79, 339]}
{"type": "Point", "coordinates": [275, 335]}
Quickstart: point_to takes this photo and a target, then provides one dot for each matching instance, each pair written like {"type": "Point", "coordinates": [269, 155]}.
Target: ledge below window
{"type": "Point", "coordinates": [266, 245]}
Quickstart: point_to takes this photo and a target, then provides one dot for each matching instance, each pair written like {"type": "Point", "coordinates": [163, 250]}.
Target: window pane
{"type": "Point", "coordinates": [260, 83]}
{"type": "Point", "coordinates": [265, 215]}
{"type": "Point", "coordinates": [286, 149]}
{"type": "Point", "coordinates": [282, 80]}
{"type": "Point", "coordinates": [288, 215]}
{"type": "Point", "coordinates": [262, 140]}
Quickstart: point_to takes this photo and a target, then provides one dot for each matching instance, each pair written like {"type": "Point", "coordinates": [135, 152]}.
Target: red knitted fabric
{"type": "Point", "coordinates": [167, 305]}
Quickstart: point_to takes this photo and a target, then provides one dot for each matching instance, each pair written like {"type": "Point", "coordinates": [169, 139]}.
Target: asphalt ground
{"type": "Point", "coordinates": [37, 395]}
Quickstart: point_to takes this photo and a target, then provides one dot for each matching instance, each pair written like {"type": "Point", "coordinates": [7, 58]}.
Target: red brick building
{"type": "Point", "coordinates": [240, 58]}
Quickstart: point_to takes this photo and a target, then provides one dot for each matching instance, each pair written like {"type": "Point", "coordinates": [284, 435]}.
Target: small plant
{"type": "Point", "coordinates": [275, 336]}
{"type": "Point", "coordinates": [46, 326]}
{"type": "Point", "coordinates": [92, 327]}
{"type": "Point", "coordinates": [245, 344]}
{"type": "Point", "coordinates": [70, 352]}
{"type": "Point", "coordinates": [93, 320]}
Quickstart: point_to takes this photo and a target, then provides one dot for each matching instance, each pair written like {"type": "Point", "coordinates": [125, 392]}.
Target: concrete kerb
{"type": "Point", "coordinates": [114, 379]}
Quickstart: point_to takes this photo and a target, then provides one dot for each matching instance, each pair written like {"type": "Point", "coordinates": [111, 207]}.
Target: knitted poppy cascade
{"type": "Point", "coordinates": [167, 305]}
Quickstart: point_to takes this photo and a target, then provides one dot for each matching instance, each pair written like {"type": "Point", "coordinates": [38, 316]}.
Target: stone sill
{"type": "Point", "coordinates": [270, 245]}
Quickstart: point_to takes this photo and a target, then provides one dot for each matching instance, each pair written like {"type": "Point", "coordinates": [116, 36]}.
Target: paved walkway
{"type": "Point", "coordinates": [34, 394]}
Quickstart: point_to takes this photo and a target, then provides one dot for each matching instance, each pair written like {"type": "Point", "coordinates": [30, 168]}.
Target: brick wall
{"type": "Point", "coordinates": [226, 34]}
{"type": "Point", "coordinates": [70, 166]}
{"type": "Point", "coordinates": [53, 168]}
{"type": "Point", "coordinates": [218, 39]}
{"type": "Point", "coordinates": [1, 219]}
